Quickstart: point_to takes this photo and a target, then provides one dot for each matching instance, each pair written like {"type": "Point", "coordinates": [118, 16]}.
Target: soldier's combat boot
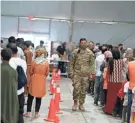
{"type": "Point", "coordinates": [74, 108]}
{"type": "Point", "coordinates": [81, 107]}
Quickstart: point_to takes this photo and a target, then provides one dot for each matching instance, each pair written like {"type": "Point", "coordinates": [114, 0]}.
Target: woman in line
{"type": "Point", "coordinates": [37, 85]}
{"type": "Point", "coordinates": [104, 70]}
{"type": "Point", "coordinates": [115, 79]}
{"type": "Point", "coordinates": [28, 55]}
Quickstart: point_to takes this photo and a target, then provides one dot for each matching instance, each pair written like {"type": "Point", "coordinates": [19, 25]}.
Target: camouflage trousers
{"type": "Point", "coordinates": [80, 85]}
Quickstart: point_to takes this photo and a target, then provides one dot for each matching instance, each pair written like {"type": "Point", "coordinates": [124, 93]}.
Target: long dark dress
{"type": "Point", "coordinates": [9, 98]}
{"type": "Point", "coordinates": [115, 81]}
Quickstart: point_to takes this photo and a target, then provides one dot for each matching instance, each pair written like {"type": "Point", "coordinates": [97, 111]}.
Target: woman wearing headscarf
{"type": "Point", "coordinates": [115, 79]}
{"type": "Point", "coordinates": [37, 85]}
{"type": "Point", "coordinates": [104, 70]}
{"type": "Point", "coordinates": [127, 57]}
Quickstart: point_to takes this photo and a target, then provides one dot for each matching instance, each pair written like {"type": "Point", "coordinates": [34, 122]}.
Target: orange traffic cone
{"type": "Point", "coordinates": [51, 114]}
{"type": "Point", "coordinates": [57, 120]}
{"type": "Point", "coordinates": [54, 88]}
{"type": "Point", "coordinates": [57, 107]}
{"type": "Point", "coordinates": [58, 91]}
{"type": "Point", "coordinates": [54, 74]}
{"type": "Point", "coordinates": [59, 74]}
{"type": "Point", "coordinates": [51, 87]}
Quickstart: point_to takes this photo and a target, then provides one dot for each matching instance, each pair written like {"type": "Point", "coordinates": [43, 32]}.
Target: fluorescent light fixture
{"type": "Point", "coordinates": [81, 21]}
{"type": "Point", "coordinates": [63, 20]}
{"type": "Point", "coordinates": [110, 23]}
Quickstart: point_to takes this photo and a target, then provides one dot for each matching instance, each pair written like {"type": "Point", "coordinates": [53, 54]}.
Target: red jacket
{"type": "Point", "coordinates": [121, 91]}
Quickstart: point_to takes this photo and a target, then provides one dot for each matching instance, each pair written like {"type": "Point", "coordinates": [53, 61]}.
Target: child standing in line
{"type": "Point", "coordinates": [125, 103]}
{"type": "Point", "coordinates": [119, 102]}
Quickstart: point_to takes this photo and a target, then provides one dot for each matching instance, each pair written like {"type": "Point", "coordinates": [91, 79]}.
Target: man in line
{"type": "Point", "coordinates": [9, 99]}
{"type": "Point", "coordinates": [121, 49]}
{"type": "Point", "coordinates": [98, 84]}
{"type": "Point", "coordinates": [41, 45]}
{"type": "Point", "coordinates": [14, 62]}
{"type": "Point", "coordinates": [91, 82]}
{"type": "Point", "coordinates": [20, 52]}
{"type": "Point", "coordinates": [61, 52]}
{"type": "Point", "coordinates": [80, 68]}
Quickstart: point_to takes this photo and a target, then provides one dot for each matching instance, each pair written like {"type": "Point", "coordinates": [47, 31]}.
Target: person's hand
{"type": "Point", "coordinates": [121, 98]}
{"type": "Point", "coordinates": [70, 76]}
{"type": "Point", "coordinates": [92, 76]}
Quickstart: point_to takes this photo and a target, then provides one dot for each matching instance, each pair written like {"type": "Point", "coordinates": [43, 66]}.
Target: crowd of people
{"type": "Point", "coordinates": [23, 70]}
{"type": "Point", "coordinates": [106, 72]}
{"type": "Point", "coordinates": [111, 78]}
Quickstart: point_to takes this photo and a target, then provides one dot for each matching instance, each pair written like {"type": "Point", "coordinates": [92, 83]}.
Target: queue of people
{"type": "Point", "coordinates": [106, 72]}
{"type": "Point", "coordinates": [21, 75]}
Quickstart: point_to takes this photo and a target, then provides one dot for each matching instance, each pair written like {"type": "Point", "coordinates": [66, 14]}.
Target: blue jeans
{"type": "Point", "coordinates": [97, 89]}
{"type": "Point", "coordinates": [129, 105]}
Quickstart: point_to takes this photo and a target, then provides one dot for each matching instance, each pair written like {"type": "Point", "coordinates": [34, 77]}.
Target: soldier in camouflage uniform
{"type": "Point", "coordinates": [80, 68]}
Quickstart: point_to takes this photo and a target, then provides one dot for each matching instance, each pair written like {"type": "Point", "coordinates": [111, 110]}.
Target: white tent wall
{"type": "Point", "coordinates": [103, 33]}
{"type": "Point", "coordinates": [83, 10]}
{"type": "Point", "coordinates": [59, 30]}
{"type": "Point", "coordinates": [9, 26]}
{"type": "Point", "coordinates": [104, 10]}
{"type": "Point", "coordinates": [49, 9]}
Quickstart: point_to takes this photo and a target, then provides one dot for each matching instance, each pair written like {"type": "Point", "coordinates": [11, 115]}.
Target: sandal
{"type": "Point", "coordinates": [27, 115]}
{"type": "Point", "coordinates": [37, 115]}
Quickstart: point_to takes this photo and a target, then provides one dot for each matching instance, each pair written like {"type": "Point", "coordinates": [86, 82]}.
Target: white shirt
{"type": "Point", "coordinates": [133, 90]}
{"type": "Point", "coordinates": [20, 53]}
{"type": "Point", "coordinates": [126, 87]}
{"type": "Point", "coordinates": [14, 62]}
{"type": "Point", "coordinates": [98, 62]}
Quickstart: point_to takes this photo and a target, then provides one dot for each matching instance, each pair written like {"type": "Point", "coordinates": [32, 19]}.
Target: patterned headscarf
{"type": "Point", "coordinates": [108, 54]}
{"type": "Point", "coordinates": [129, 53]}
{"type": "Point", "coordinates": [40, 56]}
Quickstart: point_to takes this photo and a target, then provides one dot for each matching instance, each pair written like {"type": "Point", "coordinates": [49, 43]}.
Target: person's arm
{"type": "Point", "coordinates": [92, 66]}
{"type": "Point", "coordinates": [32, 68]}
{"type": "Point", "coordinates": [71, 65]}
{"type": "Point", "coordinates": [25, 68]}
{"type": "Point", "coordinates": [22, 55]}
{"type": "Point", "coordinates": [47, 70]}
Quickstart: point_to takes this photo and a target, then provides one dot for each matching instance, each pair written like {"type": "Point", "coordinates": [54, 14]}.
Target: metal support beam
{"type": "Point", "coordinates": [50, 24]}
{"type": "Point", "coordinates": [71, 21]}
{"type": "Point", "coordinates": [74, 20]}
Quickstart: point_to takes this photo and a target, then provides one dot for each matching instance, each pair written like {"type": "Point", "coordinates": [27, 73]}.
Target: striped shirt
{"type": "Point", "coordinates": [117, 74]}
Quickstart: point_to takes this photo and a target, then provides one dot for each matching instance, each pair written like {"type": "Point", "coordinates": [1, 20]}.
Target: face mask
{"type": "Point", "coordinates": [83, 46]}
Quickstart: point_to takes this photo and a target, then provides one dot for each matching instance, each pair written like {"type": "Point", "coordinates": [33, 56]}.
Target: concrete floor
{"type": "Point", "coordinates": [93, 114]}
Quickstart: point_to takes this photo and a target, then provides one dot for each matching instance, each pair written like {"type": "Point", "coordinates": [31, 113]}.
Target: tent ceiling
{"type": "Point", "coordinates": [83, 10]}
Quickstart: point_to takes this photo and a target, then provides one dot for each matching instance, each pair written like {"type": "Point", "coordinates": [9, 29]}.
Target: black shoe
{"type": "Point", "coordinates": [95, 103]}
{"type": "Point", "coordinates": [114, 114]}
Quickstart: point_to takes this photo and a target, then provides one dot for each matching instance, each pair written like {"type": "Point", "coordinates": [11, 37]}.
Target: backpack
{"type": "Point", "coordinates": [22, 80]}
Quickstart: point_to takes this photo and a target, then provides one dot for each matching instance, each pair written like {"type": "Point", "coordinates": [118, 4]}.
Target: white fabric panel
{"type": "Point", "coordinates": [103, 33]}
{"type": "Point", "coordinates": [50, 9]}
{"type": "Point", "coordinates": [105, 10]}
{"type": "Point", "coordinates": [9, 26]}
{"type": "Point", "coordinates": [130, 42]}
{"type": "Point", "coordinates": [59, 31]}
{"type": "Point", "coordinates": [39, 26]}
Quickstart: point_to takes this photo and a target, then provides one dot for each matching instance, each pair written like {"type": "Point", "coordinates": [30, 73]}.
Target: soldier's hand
{"type": "Point", "coordinates": [70, 76]}
{"type": "Point", "coordinates": [92, 76]}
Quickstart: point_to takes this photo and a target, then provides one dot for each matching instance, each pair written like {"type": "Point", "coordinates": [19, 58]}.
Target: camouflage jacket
{"type": "Point", "coordinates": [82, 63]}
